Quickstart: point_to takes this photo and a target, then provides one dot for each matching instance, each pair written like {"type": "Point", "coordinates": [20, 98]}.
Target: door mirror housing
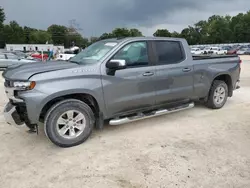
{"type": "Point", "coordinates": [116, 64]}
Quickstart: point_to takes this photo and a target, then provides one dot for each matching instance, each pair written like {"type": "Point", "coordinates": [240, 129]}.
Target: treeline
{"type": "Point", "coordinates": [217, 29]}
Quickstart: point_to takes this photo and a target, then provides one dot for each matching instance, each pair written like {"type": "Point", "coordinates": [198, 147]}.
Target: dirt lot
{"type": "Point", "coordinates": [193, 148]}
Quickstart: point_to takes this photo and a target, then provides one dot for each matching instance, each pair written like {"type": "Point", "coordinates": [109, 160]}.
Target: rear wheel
{"type": "Point", "coordinates": [69, 123]}
{"type": "Point", "coordinates": [218, 95]}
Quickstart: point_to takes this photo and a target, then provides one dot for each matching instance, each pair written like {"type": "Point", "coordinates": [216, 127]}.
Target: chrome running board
{"type": "Point", "coordinates": [141, 116]}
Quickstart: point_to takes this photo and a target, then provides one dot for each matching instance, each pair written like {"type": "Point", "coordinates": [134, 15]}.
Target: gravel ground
{"type": "Point", "coordinates": [194, 148]}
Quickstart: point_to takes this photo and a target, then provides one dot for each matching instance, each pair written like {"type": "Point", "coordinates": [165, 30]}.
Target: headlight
{"type": "Point", "coordinates": [24, 85]}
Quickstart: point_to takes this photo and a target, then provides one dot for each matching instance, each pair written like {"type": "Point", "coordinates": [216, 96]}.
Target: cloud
{"type": "Point", "coordinates": [98, 16]}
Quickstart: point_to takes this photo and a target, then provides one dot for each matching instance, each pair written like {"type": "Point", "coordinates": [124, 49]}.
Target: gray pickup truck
{"type": "Point", "coordinates": [115, 80]}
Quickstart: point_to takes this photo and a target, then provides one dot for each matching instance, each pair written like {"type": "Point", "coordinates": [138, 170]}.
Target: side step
{"type": "Point", "coordinates": [141, 116]}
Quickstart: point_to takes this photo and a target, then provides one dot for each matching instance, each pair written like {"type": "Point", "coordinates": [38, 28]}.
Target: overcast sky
{"type": "Point", "coordinates": [98, 16]}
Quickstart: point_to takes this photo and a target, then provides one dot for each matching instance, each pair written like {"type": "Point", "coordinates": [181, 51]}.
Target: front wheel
{"type": "Point", "coordinates": [69, 123]}
{"type": "Point", "coordinates": [218, 95]}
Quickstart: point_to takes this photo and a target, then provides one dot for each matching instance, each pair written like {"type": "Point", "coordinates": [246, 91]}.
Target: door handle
{"type": "Point", "coordinates": [186, 69]}
{"type": "Point", "coordinates": [148, 74]}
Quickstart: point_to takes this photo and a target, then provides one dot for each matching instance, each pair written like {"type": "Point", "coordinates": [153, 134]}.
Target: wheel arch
{"type": "Point", "coordinates": [88, 98]}
{"type": "Point", "coordinates": [227, 79]}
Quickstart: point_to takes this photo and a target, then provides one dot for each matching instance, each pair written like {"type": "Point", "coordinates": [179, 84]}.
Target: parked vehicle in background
{"type": "Point", "coordinates": [20, 54]}
{"type": "Point", "coordinates": [217, 51]}
{"type": "Point", "coordinates": [206, 50]}
{"type": "Point", "coordinates": [233, 51]}
{"type": "Point", "coordinates": [243, 51]}
{"type": "Point", "coordinates": [68, 54]}
{"type": "Point", "coordinates": [119, 80]}
{"type": "Point", "coordinates": [8, 59]}
{"type": "Point", "coordinates": [65, 56]}
{"type": "Point", "coordinates": [196, 51]}
{"type": "Point", "coordinates": [40, 56]}
{"type": "Point", "coordinates": [227, 48]}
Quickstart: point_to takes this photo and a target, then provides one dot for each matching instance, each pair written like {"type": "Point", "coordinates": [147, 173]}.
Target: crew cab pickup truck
{"type": "Point", "coordinates": [118, 81]}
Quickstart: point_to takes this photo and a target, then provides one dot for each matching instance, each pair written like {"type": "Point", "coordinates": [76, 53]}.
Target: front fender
{"type": "Point", "coordinates": [47, 90]}
{"type": "Point", "coordinates": [97, 96]}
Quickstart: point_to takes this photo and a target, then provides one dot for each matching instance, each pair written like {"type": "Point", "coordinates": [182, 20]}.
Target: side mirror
{"type": "Point", "coordinates": [116, 64]}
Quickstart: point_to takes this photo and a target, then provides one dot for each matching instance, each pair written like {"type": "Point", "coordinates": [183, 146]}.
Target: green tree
{"type": "Point", "coordinates": [13, 33]}
{"type": "Point", "coordinates": [135, 33]}
{"type": "Point", "coordinates": [77, 39]}
{"type": "Point", "coordinates": [27, 31]}
{"type": "Point", "coordinates": [106, 36]}
{"type": "Point", "coordinates": [218, 29]}
{"type": "Point", "coordinates": [73, 37]}
{"type": "Point", "coordinates": [93, 39]}
{"type": "Point", "coordinates": [40, 37]}
{"type": "Point", "coordinates": [175, 34]}
{"type": "Point", "coordinates": [162, 33]}
{"type": "Point", "coordinates": [240, 27]}
{"type": "Point", "coordinates": [191, 35]}
{"type": "Point", "coordinates": [58, 33]}
{"type": "Point", "coordinates": [201, 28]}
{"type": "Point", "coordinates": [2, 19]}
{"type": "Point", "coordinates": [2, 15]}
{"type": "Point", "coordinates": [121, 32]}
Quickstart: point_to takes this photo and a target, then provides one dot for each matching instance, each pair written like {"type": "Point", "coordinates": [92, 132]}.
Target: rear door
{"type": "Point", "coordinates": [174, 73]}
{"type": "Point", "coordinates": [132, 88]}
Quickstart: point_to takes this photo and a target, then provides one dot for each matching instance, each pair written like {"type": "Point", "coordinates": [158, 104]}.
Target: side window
{"type": "Point", "coordinates": [168, 52]}
{"type": "Point", "coordinates": [135, 54]}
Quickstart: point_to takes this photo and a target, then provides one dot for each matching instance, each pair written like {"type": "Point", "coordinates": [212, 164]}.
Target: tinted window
{"type": "Point", "coordinates": [135, 54]}
{"type": "Point", "coordinates": [168, 52]}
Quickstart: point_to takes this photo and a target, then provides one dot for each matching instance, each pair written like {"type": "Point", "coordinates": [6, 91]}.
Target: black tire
{"type": "Point", "coordinates": [210, 103]}
{"type": "Point", "coordinates": [60, 108]}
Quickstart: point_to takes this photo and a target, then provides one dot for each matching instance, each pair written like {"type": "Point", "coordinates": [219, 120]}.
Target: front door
{"type": "Point", "coordinates": [131, 88]}
{"type": "Point", "coordinates": [174, 74]}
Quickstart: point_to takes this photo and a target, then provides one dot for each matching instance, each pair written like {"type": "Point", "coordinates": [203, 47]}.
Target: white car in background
{"type": "Point", "coordinates": [206, 50]}
{"type": "Point", "coordinates": [68, 54]}
{"type": "Point", "coordinates": [217, 50]}
{"type": "Point", "coordinates": [196, 51]}
{"type": "Point", "coordinates": [65, 57]}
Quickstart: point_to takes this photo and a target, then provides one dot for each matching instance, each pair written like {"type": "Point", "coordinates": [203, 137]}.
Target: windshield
{"type": "Point", "coordinates": [94, 52]}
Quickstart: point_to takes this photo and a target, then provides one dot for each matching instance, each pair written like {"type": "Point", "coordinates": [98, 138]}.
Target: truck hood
{"type": "Point", "coordinates": [25, 71]}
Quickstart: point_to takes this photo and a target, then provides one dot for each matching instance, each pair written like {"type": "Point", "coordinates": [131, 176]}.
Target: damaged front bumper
{"type": "Point", "coordinates": [12, 117]}
{"type": "Point", "coordinates": [237, 85]}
